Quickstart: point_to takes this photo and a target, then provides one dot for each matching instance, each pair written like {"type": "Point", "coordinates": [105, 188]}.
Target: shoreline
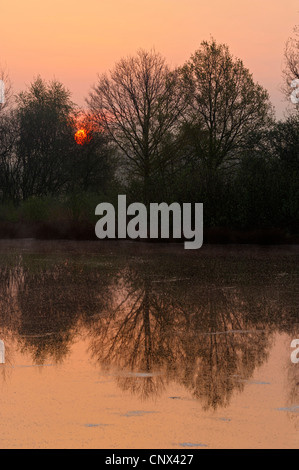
{"type": "Point", "coordinates": [76, 230]}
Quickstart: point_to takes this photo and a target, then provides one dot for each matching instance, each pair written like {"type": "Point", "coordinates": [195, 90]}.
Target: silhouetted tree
{"type": "Point", "coordinates": [138, 105]}
{"type": "Point", "coordinates": [291, 67]}
{"type": "Point", "coordinates": [8, 90]}
{"type": "Point", "coordinates": [224, 105]}
{"type": "Point", "coordinates": [8, 139]}
{"type": "Point", "coordinates": [46, 137]}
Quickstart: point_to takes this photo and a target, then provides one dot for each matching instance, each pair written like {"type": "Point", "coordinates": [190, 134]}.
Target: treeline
{"type": "Point", "coordinates": [204, 132]}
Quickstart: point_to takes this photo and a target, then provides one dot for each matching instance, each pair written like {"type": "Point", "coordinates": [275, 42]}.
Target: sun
{"type": "Point", "coordinates": [82, 136]}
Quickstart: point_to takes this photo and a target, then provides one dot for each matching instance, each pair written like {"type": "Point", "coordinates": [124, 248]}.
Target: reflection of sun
{"type": "Point", "coordinates": [82, 137]}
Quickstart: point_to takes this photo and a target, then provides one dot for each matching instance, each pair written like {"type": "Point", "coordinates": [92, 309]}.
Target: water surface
{"type": "Point", "coordinates": [131, 345]}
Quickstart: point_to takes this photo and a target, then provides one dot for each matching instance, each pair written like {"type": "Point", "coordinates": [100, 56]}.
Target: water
{"type": "Point", "coordinates": [131, 345]}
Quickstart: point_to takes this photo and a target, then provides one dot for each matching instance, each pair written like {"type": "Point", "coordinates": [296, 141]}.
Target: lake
{"type": "Point", "coordinates": [127, 345]}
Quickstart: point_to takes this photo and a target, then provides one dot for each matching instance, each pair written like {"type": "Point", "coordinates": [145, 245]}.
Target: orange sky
{"type": "Point", "coordinates": [74, 40]}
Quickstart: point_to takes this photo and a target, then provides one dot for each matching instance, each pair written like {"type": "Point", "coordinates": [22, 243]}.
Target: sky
{"type": "Point", "coordinates": [74, 41]}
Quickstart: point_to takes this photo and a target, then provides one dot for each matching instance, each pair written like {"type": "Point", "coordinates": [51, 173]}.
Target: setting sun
{"type": "Point", "coordinates": [82, 137]}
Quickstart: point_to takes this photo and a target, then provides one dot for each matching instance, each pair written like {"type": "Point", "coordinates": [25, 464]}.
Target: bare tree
{"type": "Point", "coordinates": [225, 104]}
{"type": "Point", "coordinates": [291, 55]}
{"type": "Point", "coordinates": [8, 139]}
{"type": "Point", "coordinates": [8, 92]}
{"type": "Point", "coordinates": [138, 105]}
{"type": "Point", "coordinates": [291, 64]}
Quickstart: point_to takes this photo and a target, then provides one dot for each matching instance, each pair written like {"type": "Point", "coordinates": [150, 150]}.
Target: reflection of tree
{"type": "Point", "coordinates": [205, 324]}
{"type": "Point", "coordinates": [289, 304]}
{"type": "Point", "coordinates": [126, 338]}
{"type": "Point", "coordinates": [11, 277]}
{"type": "Point", "coordinates": [293, 390]}
{"type": "Point", "coordinates": [225, 344]}
{"type": "Point", "coordinates": [194, 334]}
{"type": "Point", "coordinates": [43, 300]}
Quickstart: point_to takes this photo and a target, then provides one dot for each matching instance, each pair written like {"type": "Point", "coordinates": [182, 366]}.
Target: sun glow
{"type": "Point", "coordinates": [82, 136]}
